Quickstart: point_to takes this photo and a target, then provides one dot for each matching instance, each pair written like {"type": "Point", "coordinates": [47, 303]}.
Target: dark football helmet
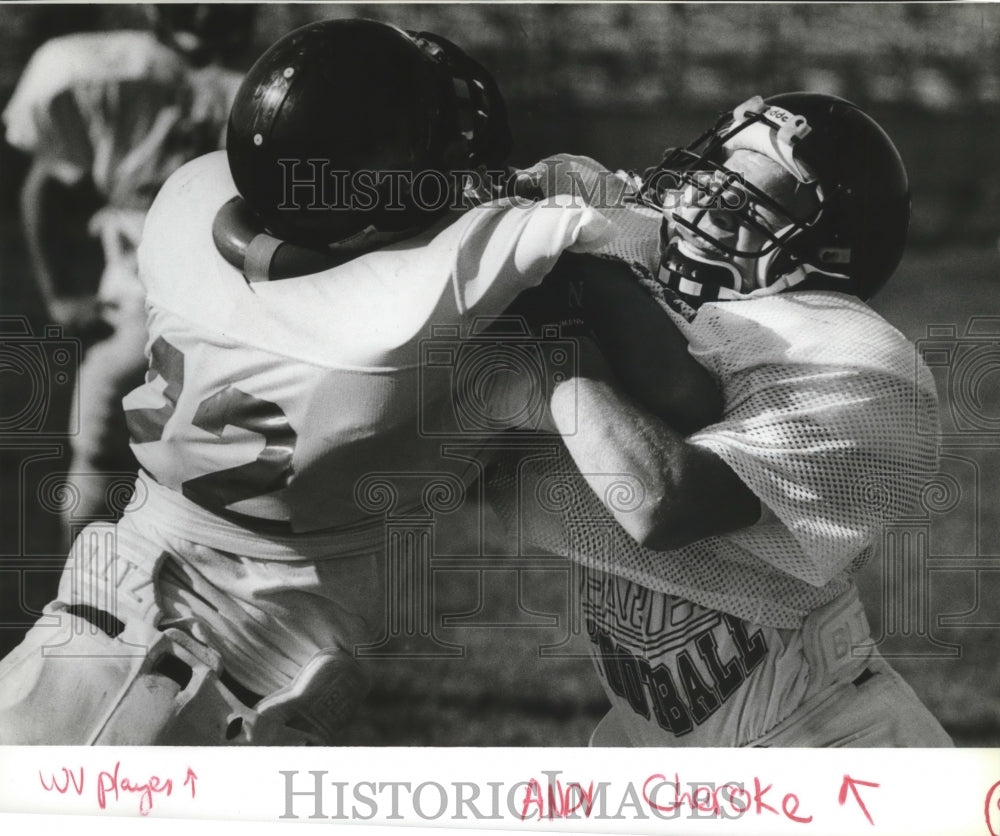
{"type": "Point", "coordinates": [335, 124]}
{"type": "Point", "coordinates": [854, 240]}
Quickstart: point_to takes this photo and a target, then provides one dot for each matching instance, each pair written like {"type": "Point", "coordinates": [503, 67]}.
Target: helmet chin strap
{"type": "Point", "coordinates": [259, 256]}
{"type": "Point", "coordinates": [698, 277]}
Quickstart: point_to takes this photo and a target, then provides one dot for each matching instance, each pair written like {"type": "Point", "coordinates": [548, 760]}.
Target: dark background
{"type": "Point", "coordinates": [620, 82]}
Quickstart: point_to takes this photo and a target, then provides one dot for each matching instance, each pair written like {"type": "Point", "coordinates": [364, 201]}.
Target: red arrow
{"type": "Point", "coordinates": [192, 777]}
{"type": "Point", "coordinates": [852, 785]}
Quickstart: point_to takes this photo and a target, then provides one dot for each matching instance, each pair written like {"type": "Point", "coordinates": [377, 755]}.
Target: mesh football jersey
{"type": "Point", "coordinates": [829, 417]}
{"type": "Point", "coordinates": [270, 403]}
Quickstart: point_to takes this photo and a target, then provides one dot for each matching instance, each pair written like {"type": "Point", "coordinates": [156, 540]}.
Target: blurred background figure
{"type": "Point", "coordinates": [106, 117]}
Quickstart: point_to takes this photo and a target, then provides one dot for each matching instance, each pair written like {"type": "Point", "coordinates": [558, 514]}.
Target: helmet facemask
{"type": "Point", "coordinates": [480, 113]}
{"type": "Point", "coordinates": [699, 238]}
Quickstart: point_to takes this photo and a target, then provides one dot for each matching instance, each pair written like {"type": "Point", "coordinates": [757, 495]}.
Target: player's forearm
{"type": "Point", "coordinates": [687, 492]}
{"type": "Point", "coordinates": [647, 353]}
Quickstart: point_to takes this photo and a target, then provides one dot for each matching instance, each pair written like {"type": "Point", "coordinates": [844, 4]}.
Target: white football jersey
{"type": "Point", "coordinates": [269, 403]}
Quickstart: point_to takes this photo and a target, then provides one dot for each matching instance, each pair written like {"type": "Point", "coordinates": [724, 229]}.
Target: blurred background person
{"type": "Point", "coordinates": [110, 115]}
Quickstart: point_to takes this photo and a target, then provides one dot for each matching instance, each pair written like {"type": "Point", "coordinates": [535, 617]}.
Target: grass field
{"type": "Point", "coordinates": [500, 689]}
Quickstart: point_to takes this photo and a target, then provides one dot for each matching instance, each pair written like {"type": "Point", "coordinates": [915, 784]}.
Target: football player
{"type": "Point", "coordinates": [718, 590]}
{"type": "Point", "coordinates": [289, 283]}
{"type": "Point", "coordinates": [116, 112]}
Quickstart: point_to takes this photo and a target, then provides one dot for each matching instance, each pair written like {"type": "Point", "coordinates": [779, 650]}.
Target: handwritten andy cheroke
{"type": "Point", "coordinates": [312, 795]}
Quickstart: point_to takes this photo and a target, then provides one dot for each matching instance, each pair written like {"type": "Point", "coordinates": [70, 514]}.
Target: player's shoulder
{"type": "Point", "coordinates": [795, 312]}
{"type": "Point", "coordinates": [831, 314]}
{"type": "Point", "coordinates": [95, 57]}
{"type": "Point", "coordinates": [325, 319]}
{"type": "Point", "coordinates": [177, 248]}
{"type": "Point", "coordinates": [811, 327]}
{"type": "Point", "coordinates": [206, 175]}
{"type": "Point", "coordinates": [191, 288]}
{"type": "Point", "coordinates": [189, 199]}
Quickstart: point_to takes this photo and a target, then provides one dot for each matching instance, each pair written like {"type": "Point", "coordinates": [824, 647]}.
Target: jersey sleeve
{"type": "Point", "coordinates": [833, 449]}
{"type": "Point", "coordinates": [497, 251]}
{"type": "Point", "coordinates": [375, 311]}
{"type": "Point", "coordinates": [582, 179]}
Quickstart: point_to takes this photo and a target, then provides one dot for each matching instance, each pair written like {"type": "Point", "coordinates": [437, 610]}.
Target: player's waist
{"type": "Point", "coordinates": [725, 682]}
{"type": "Point", "coordinates": [172, 514]}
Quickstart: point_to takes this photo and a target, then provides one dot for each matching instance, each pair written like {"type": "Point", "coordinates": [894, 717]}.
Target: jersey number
{"type": "Point", "coordinates": [230, 407]}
